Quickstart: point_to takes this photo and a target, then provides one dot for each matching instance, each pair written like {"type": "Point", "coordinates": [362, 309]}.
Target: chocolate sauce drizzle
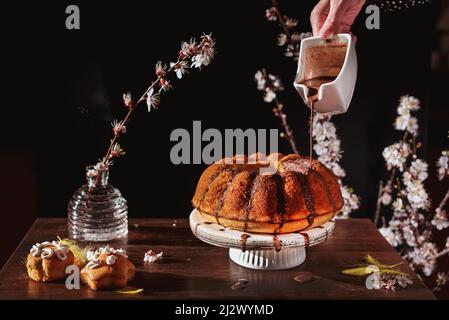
{"type": "Point", "coordinates": [306, 238]}
{"type": "Point", "coordinates": [281, 209]}
{"type": "Point", "coordinates": [325, 230]}
{"type": "Point", "coordinates": [254, 178]}
{"type": "Point", "coordinates": [243, 238]}
{"type": "Point", "coordinates": [302, 179]}
{"type": "Point", "coordinates": [277, 243]}
{"type": "Point", "coordinates": [223, 195]}
{"type": "Point", "coordinates": [312, 110]}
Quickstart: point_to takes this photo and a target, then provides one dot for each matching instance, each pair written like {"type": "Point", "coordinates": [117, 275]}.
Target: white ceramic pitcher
{"type": "Point", "coordinates": [333, 97]}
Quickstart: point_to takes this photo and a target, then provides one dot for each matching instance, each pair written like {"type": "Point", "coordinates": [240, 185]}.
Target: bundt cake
{"type": "Point", "coordinates": [294, 195]}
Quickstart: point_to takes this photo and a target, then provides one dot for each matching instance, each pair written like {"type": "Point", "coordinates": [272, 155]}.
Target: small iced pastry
{"type": "Point", "coordinates": [47, 261]}
{"type": "Point", "coordinates": [108, 268]}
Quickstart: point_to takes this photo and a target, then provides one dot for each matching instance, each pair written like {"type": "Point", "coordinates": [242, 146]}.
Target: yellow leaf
{"type": "Point", "coordinates": [391, 271]}
{"type": "Point", "coordinates": [80, 253]}
{"type": "Point", "coordinates": [361, 271]}
{"type": "Point", "coordinates": [131, 291]}
{"type": "Point", "coordinates": [371, 260]}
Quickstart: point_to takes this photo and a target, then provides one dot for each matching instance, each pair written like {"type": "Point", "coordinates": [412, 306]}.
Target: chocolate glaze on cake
{"type": "Point", "coordinates": [297, 195]}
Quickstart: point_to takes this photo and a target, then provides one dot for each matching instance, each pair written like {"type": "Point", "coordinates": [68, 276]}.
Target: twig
{"type": "Point", "coordinates": [288, 133]}
{"type": "Point", "coordinates": [444, 200]}
{"type": "Point", "coordinates": [379, 203]}
{"type": "Point", "coordinates": [282, 22]}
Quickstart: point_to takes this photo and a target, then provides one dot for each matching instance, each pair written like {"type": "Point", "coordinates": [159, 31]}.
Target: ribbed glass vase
{"type": "Point", "coordinates": [97, 210]}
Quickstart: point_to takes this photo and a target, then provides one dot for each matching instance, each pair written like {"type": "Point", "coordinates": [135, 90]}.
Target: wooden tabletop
{"type": "Point", "coordinates": [192, 269]}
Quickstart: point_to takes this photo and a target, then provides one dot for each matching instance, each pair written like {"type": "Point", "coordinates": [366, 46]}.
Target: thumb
{"type": "Point", "coordinates": [332, 24]}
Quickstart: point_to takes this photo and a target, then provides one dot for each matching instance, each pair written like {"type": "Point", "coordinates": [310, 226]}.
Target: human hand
{"type": "Point", "coordinates": [334, 16]}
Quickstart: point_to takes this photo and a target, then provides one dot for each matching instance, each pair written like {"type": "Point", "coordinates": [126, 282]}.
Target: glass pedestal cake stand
{"type": "Point", "coordinates": [260, 251]}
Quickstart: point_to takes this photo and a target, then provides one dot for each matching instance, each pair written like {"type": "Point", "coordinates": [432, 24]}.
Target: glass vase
{"type": "Point", "coordinates": [97, 211]}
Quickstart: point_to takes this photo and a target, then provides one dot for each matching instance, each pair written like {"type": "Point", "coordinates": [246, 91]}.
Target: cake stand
{"type": "Point", "coordinates": [260, 251]}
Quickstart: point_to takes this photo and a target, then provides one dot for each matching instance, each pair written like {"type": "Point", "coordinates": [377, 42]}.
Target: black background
{"type": "Point", "coordinates": [62, 88]}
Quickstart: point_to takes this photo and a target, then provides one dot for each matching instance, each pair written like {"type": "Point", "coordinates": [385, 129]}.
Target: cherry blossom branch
{"type": "Point", "coordinates": [287, 36]}
{"type": "Point", "coordinates": [131, 108]}
{"type": "Point", "coordinates": [282, 23]}
{"type": "Point", "coordinates": [412, 223]}
{"type": "Point", "coordinates": [191, 55]}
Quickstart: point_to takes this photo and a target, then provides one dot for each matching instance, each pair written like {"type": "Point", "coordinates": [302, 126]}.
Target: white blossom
{"type": "Point", "coordinates": [271, 14]}
{"type": "Point", "coordinates": [389, 235]}
{"type": "Point", "coordinates": [338, 170]}
{"type": "Point", "coordinates": [153, 100]}
{"type": "Point", "coordinates": [351, 201]}
{"type": "Point", "coordinates": [417, 195]}
{"type": "Point", "coordinates": [409, 236]}
{"type": "Point", "coordinates": [386, 198]}
{"type": "Point", "coordinates": [396, 155]}
{"type": "Point", "coordinates": [160, 69]}
{"type": "Point", "coordinates": [443, 165]}
{"type": "Point", "coordinates": [423, 257]}
{"type": "Point", "coordinates": [282, 39]}
{"type": "Point", "coordinates": [410, 103]}
{"type": "Point", "coordinates": [440, 219]}
{"type": "Point", "coordinates": [260, 80]}
{"type": "Point", "coordinates": [269, 96]}
{"type": "Point", "coordinates": [418, 168]}
{"type": "Point", "coordinates": [412, 125]}
{"type": "Point", "coordinates": [298, 37]}
{"type": "Point", "coordinates": [398, 205]}
{"type": "Point", "coordinates": [402, 121]}
{"type": "Point", "coordinates": [180, 68]}
{"type": "Point", "coordinates": [442, 279]}
{"type": "Point", "coordinates": [291, 23]}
